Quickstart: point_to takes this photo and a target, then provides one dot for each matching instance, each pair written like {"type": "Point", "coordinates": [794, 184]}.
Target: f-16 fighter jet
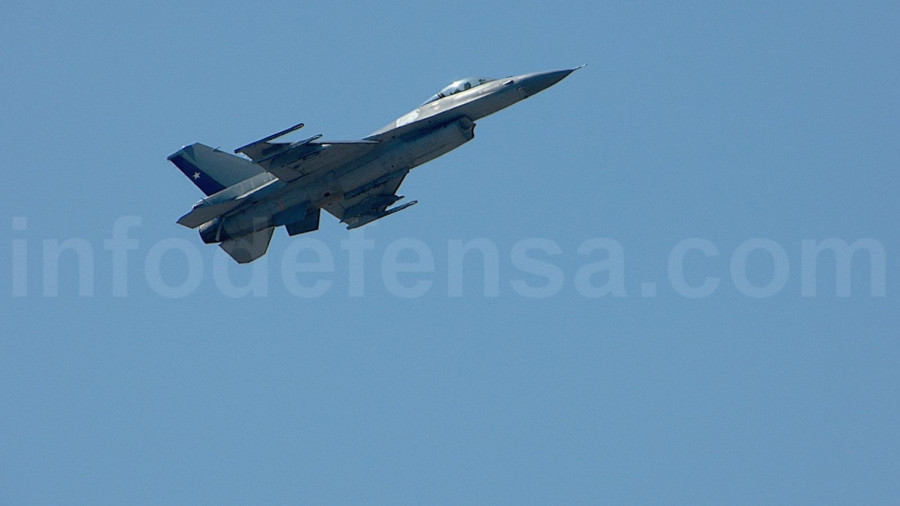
{"type": "Point", "coordinates": [289, 183]}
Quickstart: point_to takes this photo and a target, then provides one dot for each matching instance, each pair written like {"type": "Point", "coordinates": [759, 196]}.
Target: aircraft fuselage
{"type": "Point", "coordinates": [288, 183]}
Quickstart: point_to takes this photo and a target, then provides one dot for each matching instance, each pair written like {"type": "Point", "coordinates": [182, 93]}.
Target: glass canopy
{"type": "Point", "coordinates": [458, 86]}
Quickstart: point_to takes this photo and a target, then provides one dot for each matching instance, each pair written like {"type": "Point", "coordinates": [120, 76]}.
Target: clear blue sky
{"type": "Point", "coordinates": [653, 311]}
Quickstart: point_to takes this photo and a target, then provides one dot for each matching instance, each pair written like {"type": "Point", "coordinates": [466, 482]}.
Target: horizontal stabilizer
{"type": "Point", "coordinates": [247, 248]}
{"type": "Point", "coordinates": [203, 213]}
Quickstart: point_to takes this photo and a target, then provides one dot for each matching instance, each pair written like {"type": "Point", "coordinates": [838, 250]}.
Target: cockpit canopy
{"type": "Point", "coordinates": [458, 86]}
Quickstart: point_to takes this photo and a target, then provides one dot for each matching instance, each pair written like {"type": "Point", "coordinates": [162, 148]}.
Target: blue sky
{"type": "Point", "coordinates": [653, 310]}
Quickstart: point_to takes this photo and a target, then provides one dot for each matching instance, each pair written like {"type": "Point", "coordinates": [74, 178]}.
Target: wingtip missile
{"type": "Point", "coordinates": [268, 138]}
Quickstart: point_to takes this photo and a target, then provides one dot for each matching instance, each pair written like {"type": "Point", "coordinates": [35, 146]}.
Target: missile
{"type": "Point", "coordinates": [249, 147]}
{"type": "Point", "coordinates": [370, 218]}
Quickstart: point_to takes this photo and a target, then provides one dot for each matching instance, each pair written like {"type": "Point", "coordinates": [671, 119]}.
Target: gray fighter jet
{"type": "Point", "coordinates": [288, 183]}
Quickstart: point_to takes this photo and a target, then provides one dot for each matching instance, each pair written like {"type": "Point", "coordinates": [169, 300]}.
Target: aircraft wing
{"type": "Point", "coordinates": [292, 160]}
{"type": "Point", "coordinates": [293, 163]}
{"type": "Point", "coordinates": [370, 201]}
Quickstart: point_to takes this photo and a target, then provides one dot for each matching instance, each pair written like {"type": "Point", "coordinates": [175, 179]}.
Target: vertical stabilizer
{"type": "Point", "coordinates": [212, 170]}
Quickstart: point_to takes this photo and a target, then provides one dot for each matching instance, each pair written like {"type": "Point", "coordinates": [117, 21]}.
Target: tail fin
{"type": "Point", "coordinates": [212, 170]}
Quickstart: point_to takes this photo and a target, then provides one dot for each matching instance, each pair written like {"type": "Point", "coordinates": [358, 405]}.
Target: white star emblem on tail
{"type": "Point", "coordinates": [196, 175]}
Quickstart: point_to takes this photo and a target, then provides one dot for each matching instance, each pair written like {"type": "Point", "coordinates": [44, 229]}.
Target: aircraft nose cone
{"type": "Point", "coordinates": [534, 83]}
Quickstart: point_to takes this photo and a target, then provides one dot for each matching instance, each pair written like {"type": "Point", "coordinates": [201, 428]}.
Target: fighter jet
{"type": "Point", "coordinates": [289, 183]}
